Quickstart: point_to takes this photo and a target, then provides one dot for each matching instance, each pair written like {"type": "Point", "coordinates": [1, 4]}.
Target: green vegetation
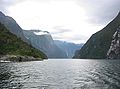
{"type": "Point", "coordinates": [10, 44]}
{"type": "Point", "coordinates": [98, 44]}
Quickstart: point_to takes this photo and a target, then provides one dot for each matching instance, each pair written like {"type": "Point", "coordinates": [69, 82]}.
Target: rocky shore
{"type": "Point", "coordinates": [18, 58]}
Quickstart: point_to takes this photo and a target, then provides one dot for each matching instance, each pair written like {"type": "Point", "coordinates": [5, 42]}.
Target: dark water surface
{"type": "Point", "coordinates": [61, 74]}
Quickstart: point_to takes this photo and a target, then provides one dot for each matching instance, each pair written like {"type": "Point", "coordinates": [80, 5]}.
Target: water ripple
{"type": "Point", "coordinates": [61, 74]}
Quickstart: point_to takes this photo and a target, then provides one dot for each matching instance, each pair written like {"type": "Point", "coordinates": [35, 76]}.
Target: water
{"type": "Point", "coordinates": [61, 74]}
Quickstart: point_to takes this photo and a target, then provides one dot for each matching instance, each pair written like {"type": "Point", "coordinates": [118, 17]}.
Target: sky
{"type": "Point", "coordinates": [66, 20]}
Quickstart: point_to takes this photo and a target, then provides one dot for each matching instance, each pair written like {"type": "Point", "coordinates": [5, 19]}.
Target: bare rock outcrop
{"type": "Point", "coordinates": [114, 51]}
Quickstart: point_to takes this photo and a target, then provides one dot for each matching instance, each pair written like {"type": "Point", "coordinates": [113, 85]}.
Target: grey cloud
{"type": "Point", "coordinates": [72, 37]}
{"type": "Point", "coordinates": [97, 11]}
{"type": "Point", "coordinates": [100, 11]}
{"type": "Point", "coordinates": [57, 37]}
{"type": "Point", "coordinates": [80, 37]}
{"type": "Point", "coordinates": [60, 29]}
{"type": "Point", "coordinates": [4, 4]}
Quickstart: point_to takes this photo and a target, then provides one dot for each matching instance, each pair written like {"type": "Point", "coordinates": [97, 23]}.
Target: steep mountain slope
{"type": "Point", "coordinates": [99, 43]}
{"type": "Point", "coordinates": [43, 41]}
{"type": "Point", "coordinates": [68, 47]}
{"type": "Point", "coordinates": [10, 44]}
{"type": "Point", "coordinates": [12, 26]}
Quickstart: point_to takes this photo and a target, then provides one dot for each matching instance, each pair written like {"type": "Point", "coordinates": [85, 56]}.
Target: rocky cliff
{"type": "Point", "coordinates": [114, 51]}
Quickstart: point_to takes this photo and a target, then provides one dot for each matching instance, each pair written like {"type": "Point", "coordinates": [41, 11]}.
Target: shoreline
{"type": "Point", "coordinates": [18, 58]}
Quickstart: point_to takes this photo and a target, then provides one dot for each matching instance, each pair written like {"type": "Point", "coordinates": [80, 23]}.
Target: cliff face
{"type": "Point", "coordinates": [114, 51]}
{"type": "Point", "coordinates": [43, 41]}
{"type": "Point", "coordinates": [99, 43]}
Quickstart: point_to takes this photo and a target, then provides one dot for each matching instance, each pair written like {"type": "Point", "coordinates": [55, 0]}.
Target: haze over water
{"type": "Point", "coordinates": [61, 74]}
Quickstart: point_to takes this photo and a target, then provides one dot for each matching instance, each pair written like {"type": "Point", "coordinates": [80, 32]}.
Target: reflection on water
{"type": "Point", "coordinates": [61, 74]}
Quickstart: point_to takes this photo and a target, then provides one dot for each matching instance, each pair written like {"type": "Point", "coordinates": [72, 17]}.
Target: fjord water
{"type": "Point", "coordinates": [61, 74]}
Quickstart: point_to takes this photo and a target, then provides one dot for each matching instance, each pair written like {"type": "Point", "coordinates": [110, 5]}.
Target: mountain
{"type": "Point", "coordinates": [10, 44]}
{"type": "Point", "coordinates": [68, 47]}
{"type": "Point", "coordinates": [12, 26]}
{"type": "Point", "coordinates": [99, 43]}
{"type": "Point", "coordinates": [43, 41]}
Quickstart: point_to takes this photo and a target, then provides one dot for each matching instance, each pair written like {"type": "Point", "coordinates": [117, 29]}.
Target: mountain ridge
{"type": "Point", "coordinates": [12, 26]}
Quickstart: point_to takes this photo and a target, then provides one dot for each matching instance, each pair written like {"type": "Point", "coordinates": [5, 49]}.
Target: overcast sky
{"type": "Point", "coordinates": [68, 20]}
